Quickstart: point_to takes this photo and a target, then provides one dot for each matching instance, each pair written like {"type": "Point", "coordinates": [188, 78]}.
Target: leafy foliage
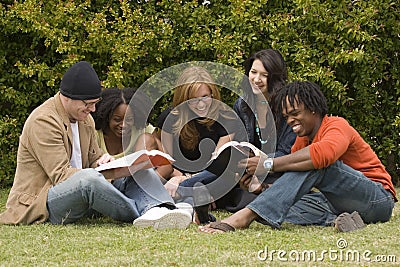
{"type": "Point", "coordinates": [350, 48]}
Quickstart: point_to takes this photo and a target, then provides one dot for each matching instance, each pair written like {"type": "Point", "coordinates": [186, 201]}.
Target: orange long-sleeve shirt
{"type": "Point", "coordinates": [337, 140]}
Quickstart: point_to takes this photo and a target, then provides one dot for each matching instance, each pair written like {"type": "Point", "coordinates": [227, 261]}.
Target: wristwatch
{"type": "Point", "coordinates": [268, 164]}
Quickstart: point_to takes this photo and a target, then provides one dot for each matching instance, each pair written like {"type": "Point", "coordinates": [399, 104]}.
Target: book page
{"type": "Point", "coordinates": [253, 148]}
{"type": "Point", "coordinates": [228, 156]}
{"type": "Point", "coordinates": [241, 146]}
{"type": "Point", "coordinates": [156, 158]}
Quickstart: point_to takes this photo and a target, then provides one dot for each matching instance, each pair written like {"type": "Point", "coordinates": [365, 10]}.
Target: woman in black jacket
{"type": "Point", "coordinates": [266, 73]}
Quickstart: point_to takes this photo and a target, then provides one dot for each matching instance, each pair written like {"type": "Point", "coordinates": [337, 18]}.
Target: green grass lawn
{"type": "Point", "coordinates": [106, 243]}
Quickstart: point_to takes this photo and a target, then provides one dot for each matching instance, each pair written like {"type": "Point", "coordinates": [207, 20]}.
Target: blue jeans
{"type": "Point", "coordinates": [205, 177]}
{"type": "Point", "coordinates": [312, 208]}
{"type": "Point", "coordinates": [185, 189]}
{"type": "Point", "coordinates": [87, 192]}
{"type": "Point", "coordinates": [346, 189]}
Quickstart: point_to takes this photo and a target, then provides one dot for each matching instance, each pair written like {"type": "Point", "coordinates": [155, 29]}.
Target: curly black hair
{"type": "Point", "coordinates": [112, 97]}
{"type": "Point", "coordinates": [305, 92]}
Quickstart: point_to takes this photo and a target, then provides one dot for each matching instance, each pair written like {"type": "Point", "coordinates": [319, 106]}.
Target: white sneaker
{"type": "Point", "coordinates": [185, 207]}
{"type": "Point", "coordinates": [162, 218]}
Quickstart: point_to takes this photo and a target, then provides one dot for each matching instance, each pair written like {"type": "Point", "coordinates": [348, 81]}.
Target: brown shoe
{"type": "Point", "coordinates": [346, 222]}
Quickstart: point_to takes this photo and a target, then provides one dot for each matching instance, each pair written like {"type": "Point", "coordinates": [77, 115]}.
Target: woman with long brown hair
{"type": "Point", "coordinates": [196, 126]}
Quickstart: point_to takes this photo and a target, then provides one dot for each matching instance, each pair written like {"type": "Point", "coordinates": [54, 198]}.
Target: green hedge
{"type": "Point", "coordinates": [350, 48]}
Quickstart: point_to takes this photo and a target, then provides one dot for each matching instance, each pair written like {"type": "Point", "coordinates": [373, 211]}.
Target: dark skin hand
{"type": "Point", "coordinates": [250, 183]}
{"type": "Point", "coordinates": [297, 161]}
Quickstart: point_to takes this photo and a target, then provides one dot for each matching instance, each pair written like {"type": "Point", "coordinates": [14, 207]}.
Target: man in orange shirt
{"type": "Point", "coordinates": [329, 155]}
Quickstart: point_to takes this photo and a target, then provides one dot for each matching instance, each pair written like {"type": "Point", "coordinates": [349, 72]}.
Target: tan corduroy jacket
{"type": "Point", "coordinates": [43, 160]}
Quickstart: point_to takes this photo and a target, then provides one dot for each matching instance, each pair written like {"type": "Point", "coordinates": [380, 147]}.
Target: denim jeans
{"type": "Point", "coordinates": [205, 177]}
{"type": "Point", "coordinates": [312, 208]}
{"type": "Point", "coordinates": [346, 189]}
{"type": "Point", "coordinates": [185, 189]}
{"type": "Point", "coordinates": [88, 192]}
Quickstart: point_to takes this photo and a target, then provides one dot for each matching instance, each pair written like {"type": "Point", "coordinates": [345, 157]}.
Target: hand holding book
{"type": "Point", "coordinates": [245, 148]}
{"type": "Point", "coordinates": [250, 183]}
{"type": "Point", "coordinates": [230, 154]}
{"type": "Point", "coordinates": [142, 159]}
{"type": "Point", "coordinates": [254, 165]}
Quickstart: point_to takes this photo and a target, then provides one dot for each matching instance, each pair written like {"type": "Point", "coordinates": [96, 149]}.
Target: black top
{"type": "Point", "coordinates": [196, 160]}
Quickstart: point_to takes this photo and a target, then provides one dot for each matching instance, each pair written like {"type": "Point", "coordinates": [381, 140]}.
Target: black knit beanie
{"type": "Point", "coordinates": [81, 82]}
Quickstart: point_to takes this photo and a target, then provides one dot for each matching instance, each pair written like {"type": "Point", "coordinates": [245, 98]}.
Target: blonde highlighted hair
{"type": "Point", "coordinates": [187, 85]}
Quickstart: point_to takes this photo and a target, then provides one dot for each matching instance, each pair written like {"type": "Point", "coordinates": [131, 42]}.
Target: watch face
{"type": "Point", "coordinates": [267, 164]}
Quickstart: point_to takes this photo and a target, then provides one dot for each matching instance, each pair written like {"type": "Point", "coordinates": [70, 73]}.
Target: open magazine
{"type": "Point", "coordinates": [228, 155]}
{"type": "Point", "coordinates": [142, 159]}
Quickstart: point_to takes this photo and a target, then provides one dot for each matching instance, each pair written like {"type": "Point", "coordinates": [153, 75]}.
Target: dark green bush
{"type": "Point", "coordinates": [350, 48]}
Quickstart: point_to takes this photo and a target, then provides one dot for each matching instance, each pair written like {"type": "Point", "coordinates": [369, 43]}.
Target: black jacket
{"type": "Point", "coordinates": [285, 136]}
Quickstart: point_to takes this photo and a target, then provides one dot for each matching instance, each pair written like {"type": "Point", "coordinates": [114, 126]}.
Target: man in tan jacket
{"type": "Point", "coordinates": [55, 180]}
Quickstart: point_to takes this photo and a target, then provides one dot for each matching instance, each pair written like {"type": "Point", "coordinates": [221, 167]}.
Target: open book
{"type": "Point", "coordinates": [142, 159]}
{"type": "Point", "coordinates": [228, 155]}
{"type": "Point", "coordinates": [245, 148]}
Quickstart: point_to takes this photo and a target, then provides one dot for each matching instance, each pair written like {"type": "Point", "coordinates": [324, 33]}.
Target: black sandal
{"type": "Point", "coordinates": [224, 227]}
